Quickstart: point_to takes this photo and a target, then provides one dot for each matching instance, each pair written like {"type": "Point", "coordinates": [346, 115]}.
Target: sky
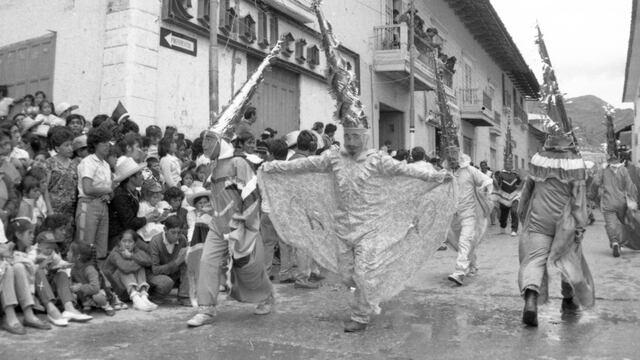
{"type": "Point", "coordinates": [587, 42]}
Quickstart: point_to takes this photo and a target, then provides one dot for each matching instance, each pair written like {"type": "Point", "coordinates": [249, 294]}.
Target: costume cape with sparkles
{"type": "Point", "coordinates": [398, 221]}
{"type": "Point", "coordinates": [565, 254]}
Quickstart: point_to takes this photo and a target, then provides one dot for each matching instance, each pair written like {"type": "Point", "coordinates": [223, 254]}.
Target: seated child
{"type": "Point", "coordinates": [57, 273]}
{"type": "Point", "coordinates": [125, 266]}
{"type": "Point", "coordinates": [21, 234]}
{"type": "Point", "coordinates": [152, 203]}
{"type": "Point", "coordinates": [85, 278]}
{"type": "Point", "coordinates": [31, 192]}
{"type": "Point", "coordinates": [16, 284]}
{"type": "Point", "coordinates": [199, 219]}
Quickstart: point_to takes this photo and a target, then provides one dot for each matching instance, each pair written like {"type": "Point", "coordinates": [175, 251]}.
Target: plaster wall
{"type": "Point", "coordinates": [79, 27]}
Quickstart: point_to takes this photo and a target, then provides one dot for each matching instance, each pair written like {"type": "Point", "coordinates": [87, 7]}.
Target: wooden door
{"type": "Point", "coordinates": [277, 100]}
{"type": "Point", "coordinates": [27, 67]}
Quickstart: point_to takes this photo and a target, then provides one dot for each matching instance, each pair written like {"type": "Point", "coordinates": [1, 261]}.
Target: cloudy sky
{"type": "Point", "coordinates": [587, 41]}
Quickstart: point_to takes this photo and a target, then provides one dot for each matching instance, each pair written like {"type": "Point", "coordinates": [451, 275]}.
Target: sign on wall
{"type": "Point", "coordinates": [179, 42]}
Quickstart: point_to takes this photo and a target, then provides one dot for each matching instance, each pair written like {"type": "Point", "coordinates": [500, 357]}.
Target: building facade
{"type": "Point", "coordinates": [153, 56]}
{"type": "Point", "coordinates": [631, 89]}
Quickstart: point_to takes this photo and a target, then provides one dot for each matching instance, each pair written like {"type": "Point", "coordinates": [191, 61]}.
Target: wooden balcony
{"type": "Point", "coordinates": [391, 59]}
{"type": "Point", "coordinates": [476, 107]}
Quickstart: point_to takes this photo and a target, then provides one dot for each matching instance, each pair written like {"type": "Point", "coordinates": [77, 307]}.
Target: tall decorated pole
{"type": "Point", "coordinates": [342, 82]}
{"type": "Point", "coordinates": [449, 143]}
{"type": "Point", "coordinates": [214, 101]}
{"type": "Point", "coordinates": [508, 148]}
{"type": "Point", "coordinates": [233, 112]}
{"type": "Point", "coordinates": [552, 98]}
{"type": "Point", "coordinates": [612, 147]}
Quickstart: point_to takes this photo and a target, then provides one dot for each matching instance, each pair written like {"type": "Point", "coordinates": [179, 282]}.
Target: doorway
{"type": "Point", "coordinates": [391, 127]}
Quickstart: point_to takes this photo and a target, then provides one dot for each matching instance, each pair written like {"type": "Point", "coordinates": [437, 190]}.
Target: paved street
{"type": "Point", "coordinates": [430, 320]}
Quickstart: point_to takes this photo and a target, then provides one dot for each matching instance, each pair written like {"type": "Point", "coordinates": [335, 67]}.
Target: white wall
{"type": "Point", "coordinates": [79, 27]}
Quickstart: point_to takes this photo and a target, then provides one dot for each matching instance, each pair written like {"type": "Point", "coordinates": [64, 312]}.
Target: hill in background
{"type": "Point", "coordinates": [587, 115]}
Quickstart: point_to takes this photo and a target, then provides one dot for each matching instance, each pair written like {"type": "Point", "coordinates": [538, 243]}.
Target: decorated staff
{"type": "Point", "coordinates": [358, 212]}
{"type": "Point", "coordinates": [235, 225]}
{"type": "Point", "coordinates": [553, 212]}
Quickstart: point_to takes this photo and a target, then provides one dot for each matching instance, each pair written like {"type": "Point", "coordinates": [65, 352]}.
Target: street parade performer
{"type": "Point", "coordinates": [507, 192]}
{"type": "Point", "coordinates": [553, 212]}
{"type": "Point", "coordinates": [619, 193]}
{"type": "Point", "coordinates": [473, 206]}
{"type": "Point", "coordinates": [358, 212]}
{"type": "Point", "coordinates": [235, 226]}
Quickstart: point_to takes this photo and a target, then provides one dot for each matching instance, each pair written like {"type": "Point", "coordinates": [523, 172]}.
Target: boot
{"type": "Point", "coordinates": [530, 312]}
{"type": "Point", "coordinates": [569, 306]}
{"type": "Point", "coordinates": [138, 302]}
{"type": "Point", "coordinates": [354, 326]}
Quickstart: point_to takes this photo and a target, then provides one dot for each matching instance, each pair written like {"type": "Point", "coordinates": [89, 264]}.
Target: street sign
{"type": "Point", "coordinates": [179, 42]}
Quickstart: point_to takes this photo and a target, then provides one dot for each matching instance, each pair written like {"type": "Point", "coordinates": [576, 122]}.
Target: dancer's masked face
{"type": "Point", "coordinates": [211, 145]}
{"type": "Point", "coordinates": [355, 140]}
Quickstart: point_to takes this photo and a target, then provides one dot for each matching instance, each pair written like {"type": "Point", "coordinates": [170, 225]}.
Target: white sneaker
{"type": "Point", "coordinates": [61, 321]}
{"type": "Point", "coordinates": [145, 299]}
{"type": "Point", "coordinates": [139, 303]}
{"type": "Point", "coordinates": [76, 316]}
{"type": "Point", "coordinates": [513, 233]}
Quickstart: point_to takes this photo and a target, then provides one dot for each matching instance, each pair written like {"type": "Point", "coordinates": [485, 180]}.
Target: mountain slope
{"type": "Point", "coordinates": [587, 115]}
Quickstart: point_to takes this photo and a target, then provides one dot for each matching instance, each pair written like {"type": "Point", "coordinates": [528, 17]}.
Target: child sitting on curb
{"type": "Point", "coordinates": [125, 266]}
{"type": "Point", "coordinates": [86, 279]}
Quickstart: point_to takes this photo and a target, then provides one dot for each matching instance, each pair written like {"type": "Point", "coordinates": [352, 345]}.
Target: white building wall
{"type": "Point", "coordinates": [79, 28]}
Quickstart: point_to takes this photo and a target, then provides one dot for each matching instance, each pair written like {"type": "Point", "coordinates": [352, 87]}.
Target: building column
{"type": "Point", "coordinates": [130, 62]}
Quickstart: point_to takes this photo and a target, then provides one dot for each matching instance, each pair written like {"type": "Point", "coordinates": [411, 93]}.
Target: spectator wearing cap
{"type": "Point", "coordinates": [168, 261]}
{"type": "Point", "coordinates": [29, 125]}
{"type": "Point", "coordinates": [63, 176]}
{"type": "Point", "coordinates": [79, 146]}
{"type": "Point", "coordinates": [65, 109]}
{"type": "Point", "coordinates": [152, 204]}
{"type": "Point", "coordinates": [76, 123]}
{"type": "Point", "coordinates": [123, 208]}
{"type": "Point", "coordinates": [95, 187]}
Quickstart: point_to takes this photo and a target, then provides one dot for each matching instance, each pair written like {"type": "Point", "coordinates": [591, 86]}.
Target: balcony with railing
{"type": "Point", "coordinates": [519, 114]}
{"type": "Point", "coordinates": [391, 58]}
{"type": "Point", "coordinates": [476, 107]}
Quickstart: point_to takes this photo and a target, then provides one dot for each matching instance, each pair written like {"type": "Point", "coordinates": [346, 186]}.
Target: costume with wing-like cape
{"type": "Point", "coordinates": [553, 211]}
{"type": "Point", "coordinates": [372, 219]}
